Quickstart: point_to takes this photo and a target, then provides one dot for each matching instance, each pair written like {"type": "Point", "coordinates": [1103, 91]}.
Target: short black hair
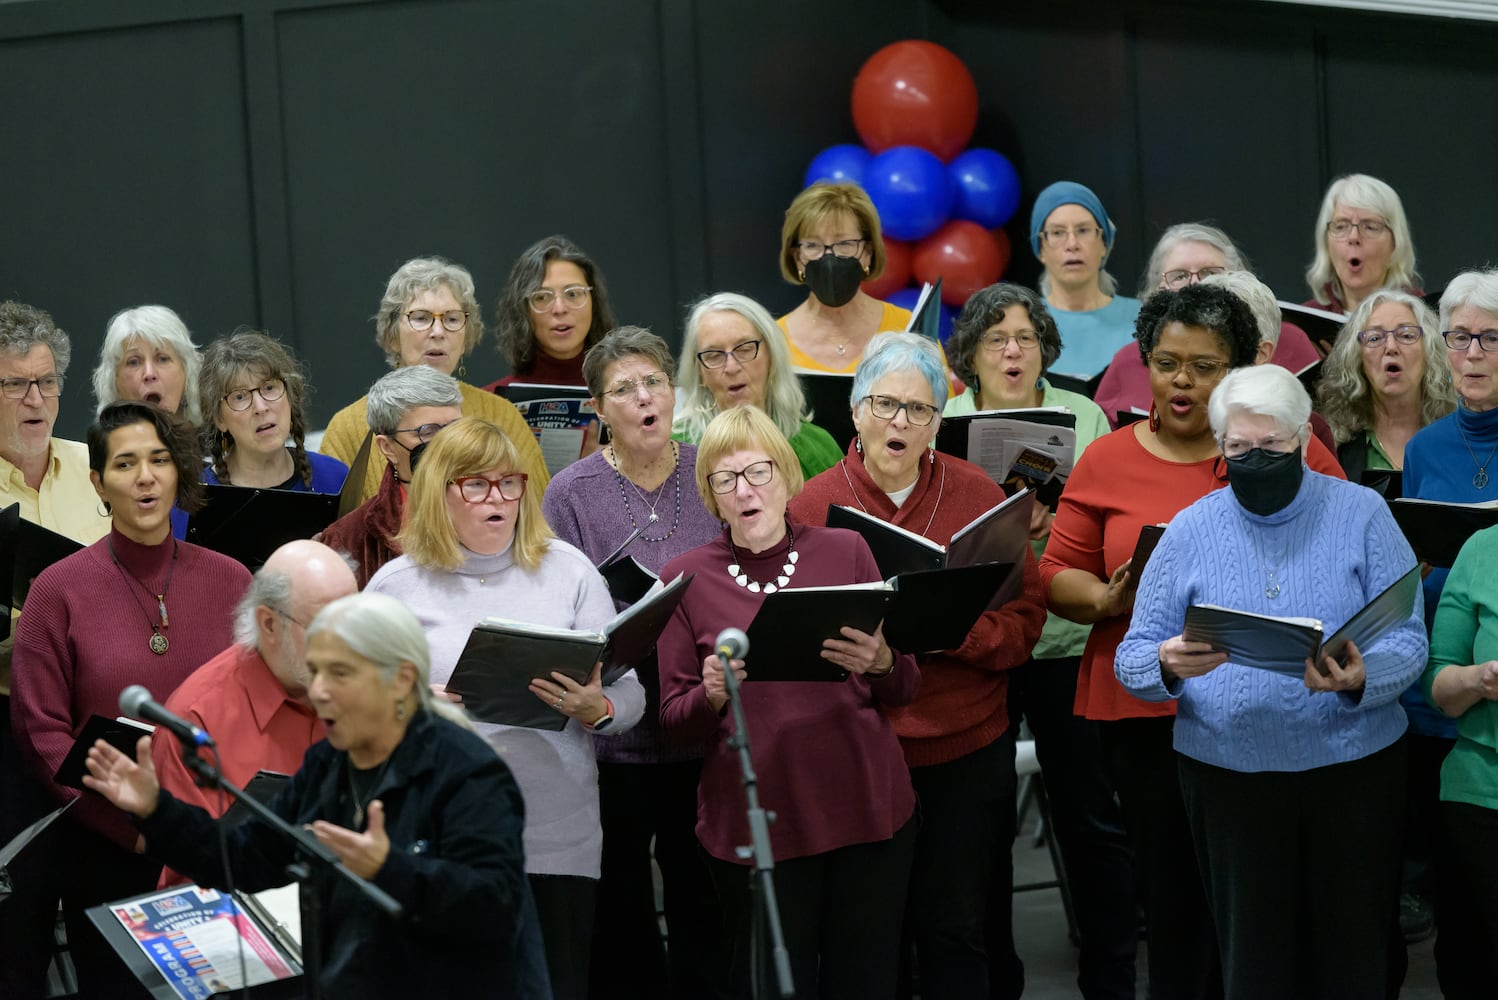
{"type": "Point", "coordinates": [179, 436]}
{"type": "Point", "coordinates": [1210, 307]}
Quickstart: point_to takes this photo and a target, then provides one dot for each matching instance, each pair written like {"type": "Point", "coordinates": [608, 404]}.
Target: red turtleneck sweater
{"type": "Point", "coordinates": [547, 370]}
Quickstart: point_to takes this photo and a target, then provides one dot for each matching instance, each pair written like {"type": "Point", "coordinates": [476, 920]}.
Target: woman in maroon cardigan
{"type": "Point", "coordinates": [956, 734]}
{"type": "Point", "coordinates": [827, 759]}
{"type": "Point", "coordinates": [135, 607]}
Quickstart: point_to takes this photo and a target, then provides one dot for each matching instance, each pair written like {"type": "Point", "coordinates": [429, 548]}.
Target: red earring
{"type": "Point", "coordinates": [1154, 418]}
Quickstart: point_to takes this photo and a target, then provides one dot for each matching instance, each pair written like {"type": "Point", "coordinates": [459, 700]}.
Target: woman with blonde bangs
{"type": "Point", "coordinates": [1362, 244]}
{"type": "Point", "coordinates": [476, 545]}
{"type": "Point", "coordinates": [831, 243]}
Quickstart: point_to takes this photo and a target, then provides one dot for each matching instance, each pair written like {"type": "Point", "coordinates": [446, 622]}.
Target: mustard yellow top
{"type": "Point", "coordinates": [893, 319]}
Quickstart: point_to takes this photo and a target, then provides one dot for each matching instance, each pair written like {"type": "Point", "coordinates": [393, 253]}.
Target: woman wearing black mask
{"type": "Point", "coordinates": [831, 243]}
{"type": "Point", "coordinates": [1293, 783]}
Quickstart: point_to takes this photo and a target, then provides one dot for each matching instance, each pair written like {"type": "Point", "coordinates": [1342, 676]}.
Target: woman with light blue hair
{"type": "Point", "coordinates": [956, 734]}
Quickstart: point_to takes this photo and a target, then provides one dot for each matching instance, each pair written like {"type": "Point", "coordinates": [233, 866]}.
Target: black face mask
{"type": "Point", "coordinates": [834, 280]}
{"type": "Point", "coordinates": [1265, 481]}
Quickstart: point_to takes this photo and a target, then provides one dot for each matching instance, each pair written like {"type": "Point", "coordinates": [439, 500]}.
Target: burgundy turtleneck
{"type": "Point", "coordinates": [84, 636]}
{"type": "Point", "coordinates": [547, 370]}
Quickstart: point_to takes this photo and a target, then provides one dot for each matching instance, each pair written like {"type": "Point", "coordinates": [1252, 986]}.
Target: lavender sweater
{"type": "Point", "coordinates": [586, 506]}
{"type": "Point", "coordinates": [1339, 548]}
{"type": "Point", "coordinates": [555, 770]}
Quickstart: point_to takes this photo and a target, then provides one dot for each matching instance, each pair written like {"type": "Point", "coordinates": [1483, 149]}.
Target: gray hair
{"type": "Point", "coordinates": [1344, 396]}
{"type": "Point", "coordinates": [405, 389]}
{"type": "Point", "coordinates": [785, 403]}
{"type": "Point", "coordinates": [415, 276]}
{"type": "Point", "coordinates": [1368, 194]}
{"type": "Point", "coordinates": [1265, 391]}
{"type": "Point", "coordinates": [1188, 232]}
{"type": "Point", "coordinates": [625, 342]}
{"type": "Point", "coordinates": [1257, 296]}
{"type": "Point", "coordinates": [986, 307]}
{"type": "Point", "coordinates": [1478, 289]}
{"type": "Point", "coordinates": [22, 327]}
{"type": "Point", "coordinates": [887, 353]}
{"type": "Point", "coordinates": [384, 631]}
{"type": "Point", "coordinates": [158, 326]}
{"type": "Point", "coordinates": [269, 588]}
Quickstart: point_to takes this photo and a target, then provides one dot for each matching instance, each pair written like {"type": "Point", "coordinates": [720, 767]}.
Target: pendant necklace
{"type": "Point", "coordinates": [373, 787]}
{"type": "Point", "coordinates": [1271, 579]}
{"type": "Point", "coordinates": [1479, 481]}
{"type": "Point", "coordinates": [654, 517]}
{"type": "Point", "coordinates": [158, 643]}
{"type": "Point", "coordinates": [735, 569]}
{"type": "Point", "coordinates": [940, 486]}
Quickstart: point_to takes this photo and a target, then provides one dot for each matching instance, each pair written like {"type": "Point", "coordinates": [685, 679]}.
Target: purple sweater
{"type": "Point", "coordinates": [585, 506]}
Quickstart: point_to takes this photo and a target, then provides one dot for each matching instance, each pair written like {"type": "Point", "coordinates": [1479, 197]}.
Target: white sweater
{"type": "Point", "coordinates": [556, 771]}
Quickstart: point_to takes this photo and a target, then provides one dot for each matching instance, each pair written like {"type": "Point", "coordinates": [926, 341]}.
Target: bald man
{"type": "Point", "coordinates": [252, 697]}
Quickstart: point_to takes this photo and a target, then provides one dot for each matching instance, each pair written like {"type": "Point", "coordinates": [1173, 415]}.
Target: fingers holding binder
{"type": "Point", "coordinates": [576, 701]}
{"type": "Point", "coordinates": [1180, 658]}
{"type": "Point", "coordinates": [713, 682]}
{"type": "Point", "coordinates": [860, 652]}
{"type": "Point", "coordinates": [1333, 676]}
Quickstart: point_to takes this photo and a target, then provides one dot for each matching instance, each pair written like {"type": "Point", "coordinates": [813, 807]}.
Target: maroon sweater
{"type": "Point", "coordinates": [826, 756]}
{"type": "Point", "coordinates": [546, 370]}
{"type": "Point", "coordinates": [82, 639]}
{"type": "Point", "coordinates": [962, 706]}
{"type": "Point", "coordinates": [367, 533]}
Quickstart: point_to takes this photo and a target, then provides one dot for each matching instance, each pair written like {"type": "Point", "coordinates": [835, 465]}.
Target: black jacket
{"type": "Point", "coordinates": [454, 816]}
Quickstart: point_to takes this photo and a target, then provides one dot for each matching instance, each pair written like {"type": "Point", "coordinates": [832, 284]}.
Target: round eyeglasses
{"type": "Point", "coordinates": [424, 433]}
{"type": "Point", "coordinates": [573, 297]}
{"type": "Point", "coordinates": [755, 474]}
{"type": "Point", "coordinates": [242, 399]}
{"type": "Point", "coordinates": [476, 489]}
{"type": "Point", "coordinates": [421, 320]}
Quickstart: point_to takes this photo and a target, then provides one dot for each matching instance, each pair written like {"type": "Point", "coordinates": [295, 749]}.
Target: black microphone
{"type": "Point", "coordinates": [136, 702]}
{"type": "Point", "coordinates": [732, 643]}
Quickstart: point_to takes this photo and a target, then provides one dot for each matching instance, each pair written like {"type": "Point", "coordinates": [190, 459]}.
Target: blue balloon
{"type": "Point", "coordinates": [912, 191]}
{"type": "Point", "coordinates": [845, 162]}
{"type": "Point", "coordinates": [988, 187]}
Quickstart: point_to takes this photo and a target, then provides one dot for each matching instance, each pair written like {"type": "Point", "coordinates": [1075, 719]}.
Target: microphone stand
{"type": "Point", "coordinates": [310, 854]}
{"type": "Point", "coordinates": [765, 911]}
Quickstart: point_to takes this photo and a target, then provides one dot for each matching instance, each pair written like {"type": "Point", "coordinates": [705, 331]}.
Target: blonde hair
{"type": "Point", "coordinates": [744, 428]}
{"type": "Point", "coordinates": [466, 447]}
{"type": "Point", "coordinates": [816, 203]}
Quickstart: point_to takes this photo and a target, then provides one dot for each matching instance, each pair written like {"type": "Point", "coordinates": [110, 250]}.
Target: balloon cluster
{"type": "Point", "coordinates": [942, 209]}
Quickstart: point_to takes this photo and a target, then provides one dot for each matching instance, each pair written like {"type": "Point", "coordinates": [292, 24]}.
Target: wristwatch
{"type": "Point", "coordinates": [605, 720]}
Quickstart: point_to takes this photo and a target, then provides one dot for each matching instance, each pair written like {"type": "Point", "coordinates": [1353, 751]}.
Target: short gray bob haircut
{"type": "Point", "coordinates": [1368, 194]}
{"type": "Point", "coordinates": [1188, 232]}
{"type": "Point", "coordinates": [1257, 296]}
{"type": "Point", "coordinates": [618, 345]}
{"type": "Point", "coordinates": [1478, 289]}
{"type": "Point", "coordinates": [158, 327]}
{"type": "Point", "coordinates": [1265, 391]}
{"type": "Point", "coordinates": [415, 276]}
{"type": "Point", "coordinates": [888, 353]}
{"type": "Point", "coordinates": [404, 389]}
{"type": "Point", "coordinates": [23, 327]}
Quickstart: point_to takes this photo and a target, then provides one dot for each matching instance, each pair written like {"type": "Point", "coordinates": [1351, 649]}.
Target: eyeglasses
{"type": "Point", "coordinates": [755, 474]}
{"type": "Point", "coordinates": [655, 383]}
{"type": "Point", "coordinates": [291, 618]}
{"type": "Point", "coordinates": [19, 388]}
{"type": "Point", "coordinates": [1180, 278]}
{"type": "Point", "coordinates": [1237, 447]}
{"type": "Point", "coordinates": [742, 353]}
{"type": "Point", "coordinates": [573, 297]}
{"type": "Point", "coordinates": [1060, 235]}
{"type": "Point", "coordinates": [1203, 369]}
{"type": "Point", "coordinates": [242, 399]}
{"type": "Point", "coordinates": [1026, 339]}
{"type": "Point", "coordinates": [476, 489]}
{"type": "Point", "coordinates": [1404, 333]}
{"type": "Point", "coordinates": [813, 249]}
{"type": "Point", "coordinates": [421, 320]}
{"type": "Point", "coordinates": [1341, 229]}
{"type": "Point", "coordinates": [1457, 340]}
{"type": "Point", "coordinates": [885, 408]}
{"type": "Point", "coordinates": [424, 433]}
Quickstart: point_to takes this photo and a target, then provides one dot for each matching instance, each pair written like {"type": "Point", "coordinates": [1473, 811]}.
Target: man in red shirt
{"type": "Point", "coordinates": [252, 697]}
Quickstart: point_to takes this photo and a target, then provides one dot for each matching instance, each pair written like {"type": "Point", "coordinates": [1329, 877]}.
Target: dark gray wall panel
{"type": "Point", "coordinates": [125, 183]}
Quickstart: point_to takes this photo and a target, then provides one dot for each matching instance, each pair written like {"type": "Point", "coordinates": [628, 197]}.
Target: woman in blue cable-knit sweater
{"type": "Point", "coordinates": [1294, 784]}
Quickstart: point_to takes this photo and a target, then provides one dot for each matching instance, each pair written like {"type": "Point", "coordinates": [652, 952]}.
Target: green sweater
{"type": "Point", "coordinates": [815, 448]}
{"type": "Point", "coordinates": [1466, 632]}
{"type": "Point", "coordinates": [1059, 637]}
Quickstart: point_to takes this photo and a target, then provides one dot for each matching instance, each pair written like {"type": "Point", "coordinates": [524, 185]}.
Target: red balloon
{"type": "Point", "coordinates": [915, 93]}
{"type": "Point", "coordinates": [896, 270]}
{"type": "Point", "coordinates": [964, 255]}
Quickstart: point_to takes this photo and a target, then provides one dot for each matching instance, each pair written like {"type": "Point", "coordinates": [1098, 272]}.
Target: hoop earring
{"type": "Point", "coordinates": [462, 369]}
{"type": "Point", "coordinates": [400, 711]}
{"type": "Point", "coordinates": [1154, 418]}
{"type": "Point", "coordinates": [108, 511]}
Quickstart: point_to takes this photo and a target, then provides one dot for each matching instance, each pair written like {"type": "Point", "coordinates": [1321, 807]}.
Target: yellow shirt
{"type": "Point", "coordinates": [349, 425]}
{"type": "Point", "coordinates": [894, 319]}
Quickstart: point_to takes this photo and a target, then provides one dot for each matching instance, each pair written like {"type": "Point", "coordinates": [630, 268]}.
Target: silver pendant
{"type": "Point", "coordinates": [654, 517]}
{"type": "Point", "coordinates": [1480, 481]}
{"type": "Point", "coordinates": [159, 644]}
{"type": "Point", "coordinates": [1271, 589]}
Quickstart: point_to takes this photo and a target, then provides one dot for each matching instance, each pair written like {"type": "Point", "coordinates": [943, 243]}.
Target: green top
{"type": "Point", "coordinates": [1377, 458]}
{"type": "Point", "coordinates": [816, 449]}
{"type": "Point", "coordinates": [1059, 637]}
{"type": "Point", "coordinates": [1466, 632]}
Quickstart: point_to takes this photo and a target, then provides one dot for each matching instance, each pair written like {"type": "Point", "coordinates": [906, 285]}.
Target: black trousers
{"type": "Point", "coordinates": [564, 904]}
{"type": "Point", "coordinates": [1087, 824]}
{"type": "Point", "coordinates": [961, 851]}
{"type": "Point", "coordinates": [1183, 959]}
{"type": "Point", "coordinates": [29, 914]}
{"type": "Point", "coordinates": [841, 913]}
{"type": "Point", "coordinates": [1467, 942]}
{"type": "Point", "coordinates": [1302, 870]}
{"type": "Point", "coordinates": [643, 804]}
